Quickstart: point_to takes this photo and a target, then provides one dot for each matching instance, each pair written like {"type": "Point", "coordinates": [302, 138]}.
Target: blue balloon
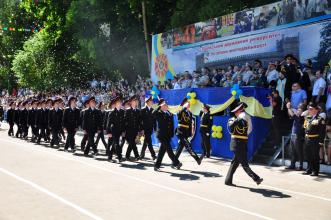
{"type": "Point", "coordinates": [239, 92]}
{"type": "Point", "coordinates": [236, 86]}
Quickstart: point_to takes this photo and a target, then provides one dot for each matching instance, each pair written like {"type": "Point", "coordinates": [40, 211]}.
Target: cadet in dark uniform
{"type": "Point", "coordinates": [17, 119]}
{"type": "Point", "coordinates": [314, 126]}
{"type": "Point", "coordinates": [205, 130]}
{"type": "Point", "coordinates": [132, 121]}
{"type": "Point", "coordinates": [184, 131]}
{"type": "Point", "coordinates": [115, 128]}
{"type": "Point", "coordinates": [125, 106]}
{"type": "Point", "coordinates": [55, 122]}
{"type": "Point", "coordinates": [70, 123]}
{"type": "Point", "coordinates": [32, 112]}
{"type": "Point", "coordinates": [49, 104]}
{"type": "Point", "coordinates": [101, 134]}
{"type": "Point", "coordinates": [11, 118]}
{"type": "Point", "coordinates": [149, 126]}
{"type": "Point", "coordinates": [92, 124]}
{"type": "Point", "coordinates": [23, 120]}
{"type": "Point", "coordinates": [165, 132]}
{"type": "Point", "coordinates": [84, 139]}
{"type": "Point", "coordinates": [106, 122]}
{"type": "Point", "coordinates": [240, 127]}
{"type": "Point", "coordinates": [41, 122]}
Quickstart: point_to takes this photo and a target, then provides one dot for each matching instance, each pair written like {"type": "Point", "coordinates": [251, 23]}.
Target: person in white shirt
{"type": "Point", "coordinates": [272, 73]}
{"type": "Point", "coordinates": [248, 74]}
{"type": "Point", "coordinates": [319, 88]}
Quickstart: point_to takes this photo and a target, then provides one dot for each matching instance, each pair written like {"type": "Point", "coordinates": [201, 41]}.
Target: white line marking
{"type": "Point", "coordinates": [51, 194]}
{"type": "Point", "coordinates": [156, 185]}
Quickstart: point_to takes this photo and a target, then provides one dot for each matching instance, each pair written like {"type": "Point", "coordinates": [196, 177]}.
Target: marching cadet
{"type": "Point", "coordinates": [165, 132]}
{"type": "Point", "coordinates": [32, 120]}
{"type": "Point", "coordinates": [84, 139]}
{"type": "Point", "coordinates": [49, 104]}
{"type": "Point", "coordinates": [55, 122]}
{"type": "Point", "coordinates": [132, 122]}
{"type": "Point", "coordinates": [61, 133]}
{"type": "Point", "coordinates": [205, 130]}
{"type": "Point", "coordinates": [23, 120]}
{"type": "Point", "coordinates": [42, 122]}
{"type": "Point", "coordinates": [70, 123]}
{"type": "Point", "coordinates": [107, 120]}
{"type": "Point", "coordinates": [184, 130]}
{"type": "Point", "coordinates": [115, 128]}
{"type": "Point", "coordinates": [148, 125]}
{"type": "Point", "coordinates": [125, 106]}
{"type": "Point", "coordinates": [240, 127]}
{"type": "Point", "coordinates": [92, 124]}
{"type": "Point", "coordinates": [17, 119]}
{"type": "Point", "coordinates": [101, 135]}
{"type": "Point", "coordinates": [314, 126]}
{"type": "Point", "coordinates": [11, 118]}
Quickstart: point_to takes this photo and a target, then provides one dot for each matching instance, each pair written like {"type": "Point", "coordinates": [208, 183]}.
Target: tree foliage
{"type": "Point", "coordinates": [83, 39]}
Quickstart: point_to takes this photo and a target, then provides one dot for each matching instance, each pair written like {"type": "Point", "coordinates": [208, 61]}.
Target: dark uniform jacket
{"type": "Point", "coordinates": [32, 117]}
{"type": "Point", "coordinates": [148, 121]}
{"type": "Point", "coordinates": [10, 116]}
{"type": "Point", "coordinates": [115, 125]}
{"type": "Point", "coordinates": [206, 122]}
{"type": "Point", "coordinates": [314, 128]}
{"type": "Point", "coordinates": [55, 119]}
{"type": "Point", "coordinates": [239, 133]}
{"type": "Point", "coordinates": [71, 118]}
{"type": "Point", "coordinates": [42, 118]}
{"type": "Point", "coordinates": [165, 125]}
{"type": "Point", "coordinates": [17, 116]}
{"type": "Point", "coordinates": [23, 117]}
{"type": "Point", "coordinates": [185, 120]}
{"type": "Point", "coordinates": [132, 120]}
{"type": "Point", "coordinates": [92, 122]}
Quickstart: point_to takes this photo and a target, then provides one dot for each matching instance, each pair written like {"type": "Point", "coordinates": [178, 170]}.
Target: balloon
{"type": "Point", "coordinates": [239, 92]}
{"type": "Point", "coordinates": [221, 128]}
{"type": "Point", "coordinates": [153, 93]}
{"type": "Point", "coordinates": [219, 135]}
{"type": "Point", "coordinates": [214, 135]}
{"type": "Point", "coordinates": [193, 95]}
{"type": "Point", "coordinates": [236, 86]}
{"type": "Point", "coordinates": [213, 128]}
{"type": "Point", "coordinates": [193, 101]}
{"type": "Point", "coordinates": [188, 97]}
{"type": "Point", "coordinates": [234, 92]}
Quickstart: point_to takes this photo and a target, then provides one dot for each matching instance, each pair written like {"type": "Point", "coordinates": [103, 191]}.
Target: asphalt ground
{"type": "Point", "coordinates": [39, 182]}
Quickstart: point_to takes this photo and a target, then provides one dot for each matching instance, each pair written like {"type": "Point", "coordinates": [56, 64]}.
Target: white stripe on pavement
{"type": "Point", "coordinates": [154, 184]}
{"type": "Point", "coordinates": [51, 194]}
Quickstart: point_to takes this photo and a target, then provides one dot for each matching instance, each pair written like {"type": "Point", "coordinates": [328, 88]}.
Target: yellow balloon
{"type": "Point", "coordinates": [234, 92]}
{"type": "Point", "coordinates": [219, 135]}
{"type": "Point", "coordinates": [218, 129]}
{"type": "Point", "coordinates": [214, 135]}
{"type": "Point", "coordinates": [193, 101]}
{"type": "Point", "coordinates": [193, 95]}
{"type": "Point", "coordinates": [213, 128]}
{"type": "Point", "coordinates": [153, 92]}
{"type": "Point", "coordinates": [221, 128]}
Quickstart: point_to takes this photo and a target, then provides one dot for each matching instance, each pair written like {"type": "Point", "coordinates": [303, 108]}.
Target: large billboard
{"type": "Point", "coordinates": [309, 41]}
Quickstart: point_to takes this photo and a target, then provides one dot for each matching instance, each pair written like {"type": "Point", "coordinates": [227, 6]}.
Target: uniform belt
{"type": "Point", "coordinates": [204, 126]}
{"type": "Point", "coordinates": [239, 137]}
{"type": "Point", "coordinates": [312, 135]}
{"type": "Point", "coordinates": [184, 126]}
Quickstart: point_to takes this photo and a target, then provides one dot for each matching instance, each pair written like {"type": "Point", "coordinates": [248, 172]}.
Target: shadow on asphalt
{"type": "Point", "coordinates": [182, 176]}
{"type": "Point", "coordinates": [266, 192]}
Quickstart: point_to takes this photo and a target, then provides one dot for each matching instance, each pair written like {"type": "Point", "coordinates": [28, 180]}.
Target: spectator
{"type": "Point", "coordinates": [282, 86]}
{"type": "Point", "coordinates": [247, 74]}
{"type": "Point", "coordinates": [236, 72]}
{"type": "Point", "coordinates": [272, 73]}
{"type": "Point", "coordinates": [186, 82]}
{"type": "Point", "coordinates": [228, 82]}
{"type": "Point", "coordinates": [175, 83]}
{"type": "Point", "coordinates": [239, 81]}
{"type": "Point", "coordinates": [298, 96]}
{"type": "Point", "coordinates": [328, 134]}
{"type": "Point", "coordinates": [276, 103]}
{"type": "Point", "coordinates": [262, 81]}
{"type": "Point", "coordinates": [318, 88]}
{"type": "Point", "coordinates": [292, 73]}
{"type": "Point", "coordinates": [297, 135]}
{"type": "Point", "coordinates": [306, 82]}
{"type": "Point", "coordinates": [254, 80]}
{"type": "Point", "coordinates": [204, 78]}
